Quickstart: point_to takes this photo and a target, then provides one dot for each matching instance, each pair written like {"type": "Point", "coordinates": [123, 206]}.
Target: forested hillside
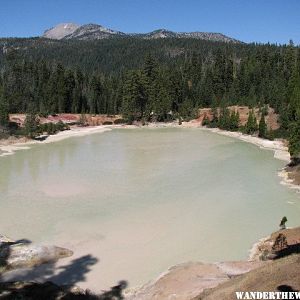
{"type": "Point", "coordinates": [112, 55]}
{"type": "Point", "coordinates": [148, 79]}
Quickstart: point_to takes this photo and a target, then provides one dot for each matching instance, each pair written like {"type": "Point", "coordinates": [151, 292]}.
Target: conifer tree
{"type": "Point", "coordinates": [4, 116]}
{"type": "Point", "coordinates": [234, 121]}
{"type": "Point", "coordinates": [251, 125]}
{"type": "Point", "coordinates": [31, 123]}
{"type": "Point", "coordinates": [262, 127]}
{"type": "Point", "coordinates": [294, 140]}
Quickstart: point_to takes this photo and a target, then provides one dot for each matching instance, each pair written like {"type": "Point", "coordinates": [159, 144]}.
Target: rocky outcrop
{"type": "Point", "coordinates": [272, 247]}
{"type": "Point", "coordinates": [24, 254]}
{"type": "Point", "coordinates": [291, 173]}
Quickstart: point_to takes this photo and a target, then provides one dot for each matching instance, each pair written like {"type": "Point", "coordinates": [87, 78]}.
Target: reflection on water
{"type": "Point", "coordinates": [31, 163]}
{"type": "Point", "coordinates": [145, 199]}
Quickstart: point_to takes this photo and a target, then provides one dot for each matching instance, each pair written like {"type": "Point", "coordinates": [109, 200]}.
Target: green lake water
{"type": "Point", "coordinates": [133, 202]}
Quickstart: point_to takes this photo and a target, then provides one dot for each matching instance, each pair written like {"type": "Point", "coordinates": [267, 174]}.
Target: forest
{"type": "Point", "coordinates": [152, 80]}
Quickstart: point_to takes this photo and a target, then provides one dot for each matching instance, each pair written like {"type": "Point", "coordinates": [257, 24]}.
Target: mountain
{"type": "Point", "coordinates": [92, 32]}
{"type": "Point", "coordinates": [209, 36]}
{"type": "Point", "coordinates": [60, 31]}
{"type": "Point", "coordinates": [69, 31]}
{"type": "Point", "coordinates": [159, 34]}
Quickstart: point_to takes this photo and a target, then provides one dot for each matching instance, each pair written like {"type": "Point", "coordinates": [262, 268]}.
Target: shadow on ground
{"type": "Point", "coordinates": [290, 249]}
{"type": "Point", "coordinates": [15, 284]}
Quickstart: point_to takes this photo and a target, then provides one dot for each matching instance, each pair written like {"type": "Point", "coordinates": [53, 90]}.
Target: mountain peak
{"type": "Point", "coordinates": [59, 31]}
{"type": "Point", "coordinates": [92, 31]}
{"type": "Point", "coordinates": [160, 33]}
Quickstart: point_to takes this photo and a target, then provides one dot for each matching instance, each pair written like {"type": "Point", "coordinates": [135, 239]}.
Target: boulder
{"type": "Point", "coordinates": [24, 254]}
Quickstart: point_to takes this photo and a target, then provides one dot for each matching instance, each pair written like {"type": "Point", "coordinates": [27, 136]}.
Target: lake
{"type": "Point", "coordinates": [132, 202]}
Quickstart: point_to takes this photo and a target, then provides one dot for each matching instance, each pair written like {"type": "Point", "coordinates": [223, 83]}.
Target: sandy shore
{"type": "Point", "coordinates": [9, 147]}
{"type": "Point", "coordinates": [280, 150]}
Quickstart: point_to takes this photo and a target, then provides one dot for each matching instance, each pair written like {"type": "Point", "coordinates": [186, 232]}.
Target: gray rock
{"type": "Point", "coordinates": [23, 254]}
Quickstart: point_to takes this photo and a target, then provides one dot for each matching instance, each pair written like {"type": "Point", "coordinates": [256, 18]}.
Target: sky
{"type": "Point", "coordinates": [275, 21]}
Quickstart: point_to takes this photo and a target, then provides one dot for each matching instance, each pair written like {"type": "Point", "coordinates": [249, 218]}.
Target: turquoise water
{"type": "Point", "coordinates": [142, 200]}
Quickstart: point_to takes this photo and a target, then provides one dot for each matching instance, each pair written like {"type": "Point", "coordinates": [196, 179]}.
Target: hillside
{"type": "Point", "coordinates": [113, 55]}
{"type": "Point", "coordinates": [272, 119]}
{"type": "Point", "coordinates": [281, 275]}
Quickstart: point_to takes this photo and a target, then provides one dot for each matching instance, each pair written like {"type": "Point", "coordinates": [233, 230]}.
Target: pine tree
{"type": "Point", "coordinates": [131, 97]}
{"type": "Point", "coordinates": [294, 140]}
{"type": "Point", "coordinates": [262, 127]}
{"type": "Point", "coordinates": [251, 126]}
{"type": "Point", "coordinates": [215, 117]}
{"type": "Point", "coordinates": [224, 118]}
{"type": "Point", "coordinates": [61, 89]}
{"type": "Point", "coordinates": [32, 123]}
{"type": "Point", "coordinates": [4, 117]}
{"type": "Point", "coordinates": [234, 121]}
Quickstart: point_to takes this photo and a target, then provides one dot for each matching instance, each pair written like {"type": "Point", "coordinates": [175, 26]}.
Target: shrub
{"type": "Point", "coordinates": [205, 121]}
{"type": "Point", "coordinates": [119, 121]}
{"type": "Point", "coordinates": [107, 123]}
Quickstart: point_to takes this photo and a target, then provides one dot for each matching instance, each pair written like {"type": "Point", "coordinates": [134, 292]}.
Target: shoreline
{"type": "Point", "coordinates": [9, 147]}
{"type": "Point", "coordinates": [280, 151]}
{"type": "Point", "coordinates": [254, 251]}
{"type": "Point", "coordinates": [277, 146]}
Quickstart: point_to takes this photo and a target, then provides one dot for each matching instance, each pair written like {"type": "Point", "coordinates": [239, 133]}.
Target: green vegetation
{"type": "Point", "coordinates": [251, 126]}
{"type": "Point", "coordinates": [294, 139]}
{"type": "Point", "coordinates": [33, 128]}
{"type": "Point", "coordinates": [31, 125]}
{"type": "Point", "coordinates": [153, 80]}
{"type": "Point", "coordinates": [52, 128]}
{"type": "Point", "coordinates": [262, 127]}
{"type": "Point", "coordinates": [228, 120]}
{"type": "Point", "coordinates": [4, 110]}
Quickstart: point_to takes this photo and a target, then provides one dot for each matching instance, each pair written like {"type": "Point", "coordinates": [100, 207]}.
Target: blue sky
{"type": "Point", "coordinates": [247, 20]}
